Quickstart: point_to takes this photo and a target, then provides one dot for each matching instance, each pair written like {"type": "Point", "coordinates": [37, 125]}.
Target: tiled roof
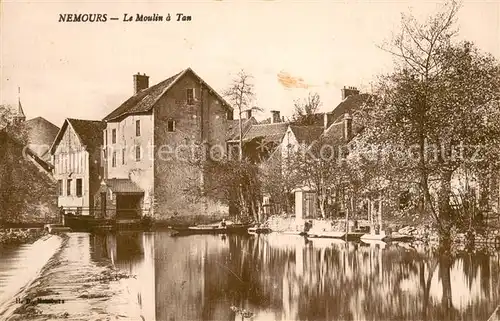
{"type": "Point", "coordinates": [349, 105]}
{"type": "Point", "coordinates": [123, 186]}
{"type": "Point", "coordinates": [233, 132]}
{"type": "Point", "coordinates": [6, 138]}
{"type": "Point", "coordinates": [90, 132]}
{"type": "Point", "coordinates": [306, 134]}
{"type": "Point", "coordinates": [334, 135]}
{"type": "Point", "coordinates": [41, 133]}
{"type": "Point", "coordinates": [271, 132]}
{"type": "Point", "coordinates": [144, 100]}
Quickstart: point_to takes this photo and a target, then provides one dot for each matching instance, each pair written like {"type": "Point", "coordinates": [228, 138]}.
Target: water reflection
{"type": "Point", "coordinates": [133, 253]}
{"type": "Point", "coordinates": [285, 277]}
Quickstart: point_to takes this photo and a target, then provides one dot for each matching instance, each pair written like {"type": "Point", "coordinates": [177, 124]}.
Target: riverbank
{"type": "Point", "coordinates": [20, 236]}
{"type": "Point", "coordinates": [422, 232]}
{"type": "Point", "coordinates": [73, 286]}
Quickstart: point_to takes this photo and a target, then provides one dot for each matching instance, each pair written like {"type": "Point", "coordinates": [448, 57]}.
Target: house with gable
{"type": "Point", "coordinates": [260, 140]}
{"type": "Point", "coordinates": [148, 142]}
{"type": "Point", "coordinates": [41, 134]}
{"type": "Point", "coordinates": [335, 128]}
{"type": "Point", "coordinates": [76, 158]}
{"type": "Point", "coordinates": [38, 133]}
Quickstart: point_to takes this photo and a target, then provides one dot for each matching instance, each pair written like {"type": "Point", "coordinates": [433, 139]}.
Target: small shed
{"type": "Point", "coordinates": [305, 203]}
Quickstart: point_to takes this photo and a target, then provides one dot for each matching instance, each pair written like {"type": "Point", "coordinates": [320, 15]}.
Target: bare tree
{"type": "Point", "coordinates": [305, 109]}
{"type": "Point", "coordinates": [241, 94]}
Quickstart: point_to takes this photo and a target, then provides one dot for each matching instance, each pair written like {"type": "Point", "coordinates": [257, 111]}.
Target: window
{"type": "Point", "coordinates": [137, 153]}
{"type": "Point", "coordinates": [68, 187]}
{"type": "Point", "coordinates": [190, 96]}
{"type": "Point", "coordinates": [113, 136]}
{"type": "Point", "coordinates": [60, 187]}
{"type": "Point", "coordinates": [105, 137]}
{"type": "Point", "coordinates": [79, 187]}
{"type": "Point", "coordinates": [113, 159]}
{"type": "Point", "coordinates": [171, 125]}
{"type": "Point", "coordinates": [137, 128]}
{"type": "Point", "coordinates": [123, 156]}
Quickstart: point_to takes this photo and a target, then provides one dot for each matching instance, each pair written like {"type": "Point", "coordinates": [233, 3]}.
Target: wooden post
{"type": "Point", "coordinates": [346, 208]}
{"type": "Point", "coordinates": [380, 215]}
{"type": "Point", "coordinates": [370, 214]}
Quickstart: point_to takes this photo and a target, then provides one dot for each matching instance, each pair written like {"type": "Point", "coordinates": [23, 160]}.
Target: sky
{"type": "Point", "coordinates": [84, 70]}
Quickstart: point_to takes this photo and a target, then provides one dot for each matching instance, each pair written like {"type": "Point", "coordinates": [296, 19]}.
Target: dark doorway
{"type": "Point", "coordinates": [128, 206]}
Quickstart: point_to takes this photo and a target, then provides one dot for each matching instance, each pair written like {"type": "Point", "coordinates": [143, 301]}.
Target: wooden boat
{"type": "Point", "coordinates": [324, 234]}
{"type": "Point", "coordinates": [354, 236]}
{"type": "Point", "coordinates": [259, 230]}
{"type": "Point", "coordinates": [374, 237]}
{"type": "Point", "coordinates": [300, 233]}
{"type": "Point", "coordinates": [212, 229]}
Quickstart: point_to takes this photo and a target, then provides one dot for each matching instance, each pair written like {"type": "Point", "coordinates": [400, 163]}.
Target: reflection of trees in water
{"type": "Point", "coordinates": [347, 282]}
{"type": "Point", "coordinates": [201, 277]}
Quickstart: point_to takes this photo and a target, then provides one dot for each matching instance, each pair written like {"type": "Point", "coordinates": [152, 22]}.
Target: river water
{"type": "Point", "coordinates": [284, 277]}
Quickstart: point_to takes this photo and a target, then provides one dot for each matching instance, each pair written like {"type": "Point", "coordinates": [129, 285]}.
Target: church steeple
{"type": "Point", "coordinates": [20, 116]}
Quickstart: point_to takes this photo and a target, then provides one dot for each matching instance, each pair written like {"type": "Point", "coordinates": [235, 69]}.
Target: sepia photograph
{"type": "Point", "coordinates": [258, 160]}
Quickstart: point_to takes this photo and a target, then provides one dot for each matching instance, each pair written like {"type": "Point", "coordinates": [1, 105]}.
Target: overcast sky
{"type": "Point", "coordinates": [84, 70]}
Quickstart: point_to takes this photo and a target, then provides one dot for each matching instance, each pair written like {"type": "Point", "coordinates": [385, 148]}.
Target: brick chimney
{"type": "Point", "coordinates": [248, 113]}
{"type": "Point", "coordinates": [327, 120]}
{"type": "Point", "coordinates": [140, 82]}
{"type": "Point", "coordinates": [347, 126]}
{"type": "Point", "coordinates": [275, 116]}
{"type": "Point", "coordinates": [349, 91]}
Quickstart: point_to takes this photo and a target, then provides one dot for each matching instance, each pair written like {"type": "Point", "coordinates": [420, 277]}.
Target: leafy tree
{"type": "Point", "coordinates": [27, 193]}
{"type": "Point", "coordinates": [436, 108]}
{"type": "Point", "coordinates": [276, 182]}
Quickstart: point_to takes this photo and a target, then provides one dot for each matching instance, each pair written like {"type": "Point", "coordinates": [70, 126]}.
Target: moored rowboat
{"type": "Point", "coordinates": [212, 229]}
{"type": "Point", "coordinates": [259, 230]}
{"type": "Point", "coordinates": [324, 234]}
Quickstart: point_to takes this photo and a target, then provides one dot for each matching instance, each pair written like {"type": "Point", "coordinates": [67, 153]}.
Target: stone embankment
{"type": "Point", "coordinates": [24, 270]}
{"type": "Point", "coordinates": [74, 286]}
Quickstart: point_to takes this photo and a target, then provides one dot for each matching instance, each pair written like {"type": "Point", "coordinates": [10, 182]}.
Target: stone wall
{"type": "Point", "coordinates": [175, 175]}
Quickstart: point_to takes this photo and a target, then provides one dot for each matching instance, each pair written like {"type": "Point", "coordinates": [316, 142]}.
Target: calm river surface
{"type": "Point", "coordinates": [282, 277]}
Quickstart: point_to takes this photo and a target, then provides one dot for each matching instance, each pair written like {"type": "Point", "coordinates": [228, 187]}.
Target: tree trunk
{"type": "Point", "coordinates": [444, 269]}
{"type": "Point", "coordinates": [445, 214]}
{"type": "Point", "coordinates": [240, 141]}
{"type": "Point", "coordinates": [243, 203]}
{"type": "Point", "coordinates": [321, 199]}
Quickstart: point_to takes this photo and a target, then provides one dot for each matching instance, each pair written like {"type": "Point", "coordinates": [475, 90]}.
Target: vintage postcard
{"type": "Point", "coordinates": [250, 160]}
